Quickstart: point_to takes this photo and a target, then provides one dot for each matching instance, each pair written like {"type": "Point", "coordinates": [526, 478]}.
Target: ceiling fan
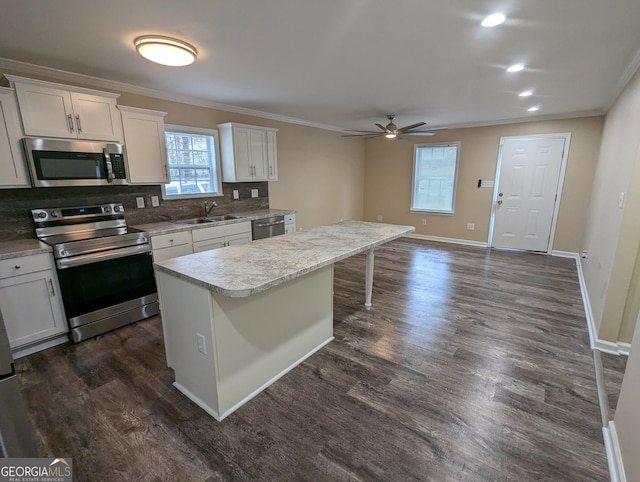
{"type": "Point", "coordinates": [391, 131]}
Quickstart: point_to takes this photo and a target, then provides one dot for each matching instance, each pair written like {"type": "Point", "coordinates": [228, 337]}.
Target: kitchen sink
{"type": "Point", "coordinates": [209, 219]}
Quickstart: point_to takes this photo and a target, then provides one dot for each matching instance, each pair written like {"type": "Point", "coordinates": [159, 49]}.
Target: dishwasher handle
{"type": "Point", "coordinates": [266, 225]}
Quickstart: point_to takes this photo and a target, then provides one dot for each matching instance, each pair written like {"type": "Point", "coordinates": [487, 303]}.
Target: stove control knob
{"type": "Point", "coordinates": [63, 252]}
{"type": "Point", "coordinates": [107, 209]}
{"type": "Point", "coordinates": [55, 214]}
{"type": "Point", "coordinates": [42, 214]}
{"type": "Point", "coordinates": [116, 209]}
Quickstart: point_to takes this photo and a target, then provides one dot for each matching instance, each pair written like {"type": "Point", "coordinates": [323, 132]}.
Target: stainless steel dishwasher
{"type": "Point", "coordinates": [267, 227]}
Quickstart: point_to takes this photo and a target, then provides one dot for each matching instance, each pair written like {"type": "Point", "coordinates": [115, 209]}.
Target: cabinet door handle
{"type": "Point", "coordinates": [53, 292]}
{"type": "Point", "coordinates": [78, 123]}
{"type": "Point", "coordinates": [271, 170]}
{"type": "Point", "coordinates": [70, 122]}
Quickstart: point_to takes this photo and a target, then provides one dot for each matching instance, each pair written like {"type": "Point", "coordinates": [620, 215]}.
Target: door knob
{"type": "Point", "coordinates": [499, 202]}
{"type": "Point", "coordinates": [500, 194]}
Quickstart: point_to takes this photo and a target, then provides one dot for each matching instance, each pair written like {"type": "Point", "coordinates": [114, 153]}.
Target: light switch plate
{"type": "Point", "coordinates": [236, 194]}
{"type": "Point", "coordinates": [486, 184]}
{"type": "Point", "coordinates": [155, 201]}
{"type": "Point", "coordinates": [140, 202]}
{"type": "Point", "coordinates": [254, 193]}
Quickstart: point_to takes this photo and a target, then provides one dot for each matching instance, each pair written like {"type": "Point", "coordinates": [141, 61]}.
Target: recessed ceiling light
{"type": "Point", "coordinates": [166, 50]}
{"type": "Point", "coordinates": [533, 109]}
{"type": "Point", "coordinates": [526, 93]}
{"type": "Point", "coordinates": [493, 20]}
{"type": "Point", "coordinates": [515, 68]}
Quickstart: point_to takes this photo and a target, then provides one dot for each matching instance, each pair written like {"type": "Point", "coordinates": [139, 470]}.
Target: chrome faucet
{"type": "Point", "coordinates": [208, 209]}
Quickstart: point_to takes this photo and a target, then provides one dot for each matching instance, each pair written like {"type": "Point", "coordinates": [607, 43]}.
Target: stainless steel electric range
{"type": "Point", "coordinates": [104, 267]}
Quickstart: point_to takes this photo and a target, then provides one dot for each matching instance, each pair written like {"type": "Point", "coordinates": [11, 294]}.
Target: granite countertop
{"type": "Point", "coordinates": [244, 270]}
{"type": "Point", "coordinates": [167, 227]}
{"type": "Point", "coordinates": [22, 247]}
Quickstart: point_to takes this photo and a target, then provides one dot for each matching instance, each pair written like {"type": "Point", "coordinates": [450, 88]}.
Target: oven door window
{"type": "Point", "coordinates": [90, 287]}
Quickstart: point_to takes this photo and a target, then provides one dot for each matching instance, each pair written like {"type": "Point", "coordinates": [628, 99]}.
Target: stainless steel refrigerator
{"type": "Point", "coordinates": [16, 438]}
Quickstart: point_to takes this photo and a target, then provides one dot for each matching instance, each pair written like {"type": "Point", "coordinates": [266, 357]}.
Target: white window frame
{"type": "Point", "coordinates": [455, 178]}
{"type": "Point", "coordinates": [217, 165]}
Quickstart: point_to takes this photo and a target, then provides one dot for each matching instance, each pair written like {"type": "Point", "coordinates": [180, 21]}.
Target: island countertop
{"type": "Point", "coordinates": [240, 271]}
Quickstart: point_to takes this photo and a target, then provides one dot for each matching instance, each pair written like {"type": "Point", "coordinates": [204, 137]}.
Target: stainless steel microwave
{"type": "Point", "coordinates": [56, 162]}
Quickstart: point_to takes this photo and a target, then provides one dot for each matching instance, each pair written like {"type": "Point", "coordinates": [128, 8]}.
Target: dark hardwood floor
{"type": "Point", "coordinates": [472, 365]}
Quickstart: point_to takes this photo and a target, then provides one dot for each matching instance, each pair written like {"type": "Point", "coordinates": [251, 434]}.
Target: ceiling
{"type": "Point", "coordinates": [346, 63]}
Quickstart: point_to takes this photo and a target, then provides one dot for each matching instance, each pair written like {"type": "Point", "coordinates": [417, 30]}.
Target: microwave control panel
{"type": "Point", "coordinates": [117, 164]}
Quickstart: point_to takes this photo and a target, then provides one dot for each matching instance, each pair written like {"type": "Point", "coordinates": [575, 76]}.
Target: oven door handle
{"type": "Point", "coordinates": [64, 263]}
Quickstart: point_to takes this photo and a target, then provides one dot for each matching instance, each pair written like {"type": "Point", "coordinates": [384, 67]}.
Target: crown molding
{"type": "Point", "coordinates": [66, 76]}
{"type": "Point", "coordinates": [625, 78]}
{"type": "Point", "coordinates": [72, 77]}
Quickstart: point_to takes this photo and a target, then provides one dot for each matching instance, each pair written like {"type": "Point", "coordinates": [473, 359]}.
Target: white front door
{"type": "Point", "coordinates": [527, 191]}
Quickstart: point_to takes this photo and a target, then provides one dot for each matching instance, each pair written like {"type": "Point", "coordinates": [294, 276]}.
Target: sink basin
{"type": "Point", "coordinates": [225, 217]}
{"type": "Point", "coordinates": [209, 219]}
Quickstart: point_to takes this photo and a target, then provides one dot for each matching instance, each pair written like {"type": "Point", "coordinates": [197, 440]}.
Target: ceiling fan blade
{"type": "Point", "coordinates": [412, 126]}
{"type": "Point", "coordinates": [419, 133]}
{"type": "Point", "coordinates": [433, 129]}
{"type": "Point", "coordinates": [371, 134]}
{"type": "Point", "coordinates": [361, 131]}
{"type": "Point", "coordinates": [384, 129]}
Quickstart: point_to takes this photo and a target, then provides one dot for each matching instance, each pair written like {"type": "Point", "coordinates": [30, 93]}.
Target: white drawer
{"type": "Point", "coordinates": [25, 264]}
{"type": "Point", "coordinates": [202, 234]}
{"type": "Point", "coordinates": [172, 239]}
{"type": "Point", "coordinates": [290, 219]}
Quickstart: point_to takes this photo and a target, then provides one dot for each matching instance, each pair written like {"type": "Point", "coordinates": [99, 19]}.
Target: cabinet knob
{"type": "Point", "coordinates": [18, 266]}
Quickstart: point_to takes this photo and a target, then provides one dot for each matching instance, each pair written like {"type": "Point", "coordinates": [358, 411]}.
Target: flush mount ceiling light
{"type": "Point", "coordinates": [526, 93]}
{"type": "Point", "coordinates": [533, 109]}
{"type": "Point", "coordinates": [516, 68]}
{"type": "Point", "coordinates": [493, 20]}
{"type": "Point", "coordinates": [166, 50]}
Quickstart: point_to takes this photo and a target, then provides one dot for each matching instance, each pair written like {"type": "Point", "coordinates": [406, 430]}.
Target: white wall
{"type": "Point", "coordinates": [608, 269]}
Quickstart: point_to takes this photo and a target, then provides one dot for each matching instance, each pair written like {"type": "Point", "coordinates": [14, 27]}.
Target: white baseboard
{"type": "Point", "coordinates": [564, 254]}
{"type": "Point", "coordinates": [39, 346]}
{"type": "Point", "coordinates": [614, 456]}
{"type": "Point", "coordinates": [439, 239]}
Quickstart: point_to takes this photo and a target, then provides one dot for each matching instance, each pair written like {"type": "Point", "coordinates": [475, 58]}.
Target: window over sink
{"type": "Point", "coordinates": [193, 158]}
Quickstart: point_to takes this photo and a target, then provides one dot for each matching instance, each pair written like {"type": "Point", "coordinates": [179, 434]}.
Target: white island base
{"type": "Point", "coordinates": [249, 342]}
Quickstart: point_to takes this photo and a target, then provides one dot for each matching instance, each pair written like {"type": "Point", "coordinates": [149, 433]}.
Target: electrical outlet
{"type": "Point", "coordinates": [584, 255]}
{"type": "Point", "coordinates": [202, 348]}
{"type": "Point", "coordinates": [424, 221]}
{"type": "Point", "coordinates": [140, 202]}
{"type": "Point", "coordinates": [379, 218]}
{"type": "Point", "coordinates": [471, 226]}
{"type": "Point", "coordinates": [254, 193]}
{"type": "Point", "coordinates": [155, 201]}
{"type": "Point", "coordinates": [236, 194]}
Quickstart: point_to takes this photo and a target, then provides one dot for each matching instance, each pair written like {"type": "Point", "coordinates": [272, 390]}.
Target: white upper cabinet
{"type": "Point", "coordinates": [145, 145]}
{"type": "Point", "coordinates": [56, 110]}
{"type": "Point", "coordinates": [13, 172]}
{"type": "Point", "coordinates": [272, 156]}
{"type": "Point", "coordinates": [248, 153]}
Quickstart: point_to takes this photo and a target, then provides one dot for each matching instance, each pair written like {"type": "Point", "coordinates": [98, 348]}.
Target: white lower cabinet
{"type": "Point", "coordinates": [221, 236]}
{"type": "Point", "coordinates": [30, 299]}
{"type": "Point", "coordinates": [165, 246]}
{"type": "Point", "coordinates": [290, 224]}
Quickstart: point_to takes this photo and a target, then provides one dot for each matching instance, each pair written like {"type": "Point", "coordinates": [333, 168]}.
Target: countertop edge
{"type": "Point", "coordinates": [23, 247]}
{"type": "Point", "coordinates": [243, 293]}
{"type": "Point", "coordinates": [167, 227]}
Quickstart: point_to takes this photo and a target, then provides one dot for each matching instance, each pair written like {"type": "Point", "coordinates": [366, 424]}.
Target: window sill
{"type": "Point", "coordinates": [420, 211]}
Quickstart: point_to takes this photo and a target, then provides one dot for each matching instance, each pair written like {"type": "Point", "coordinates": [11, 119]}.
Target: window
{"type": "Point", "coordinates": [194, 164]}
{"type": "Point", "coordinates": [434, 177]}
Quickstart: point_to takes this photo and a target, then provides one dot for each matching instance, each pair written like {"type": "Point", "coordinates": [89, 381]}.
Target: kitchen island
{"type": "Point", "coordinates": [238, 318]}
